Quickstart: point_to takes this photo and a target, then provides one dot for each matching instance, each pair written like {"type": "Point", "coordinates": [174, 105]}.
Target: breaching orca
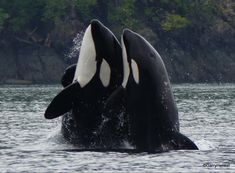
{"type": "Point", "coordinates": [147, 95]}
{"type": "Point", "coordinates": [68, 75]}
{"type": "Point", "coordinates": [98, 73]}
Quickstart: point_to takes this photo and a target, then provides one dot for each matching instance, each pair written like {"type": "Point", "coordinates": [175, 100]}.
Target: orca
{"type": "Point", "coordinates": [147, 96]}
{"type": "Point", "coordinates": [97, 74]}
{"type": "Point", "coordinates": [68, 75]}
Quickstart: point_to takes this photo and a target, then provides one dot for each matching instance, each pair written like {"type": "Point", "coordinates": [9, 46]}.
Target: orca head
{"type": "Point", "coordinates": [148, 71]}
{"type": "Point", "coordinates": [99, 59]}
{"type": "Point", "coordinates": [129, 54]}
{"type": "Point", "coordinates": [100, 53]}
{"type": "Point", "coordinates": [139, 56]}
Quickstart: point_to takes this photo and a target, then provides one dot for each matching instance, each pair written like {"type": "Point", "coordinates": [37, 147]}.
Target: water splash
{"type": "Point", "coordinates": [75, 49]}
{"type": "Point", "coordinates": [205, 145]}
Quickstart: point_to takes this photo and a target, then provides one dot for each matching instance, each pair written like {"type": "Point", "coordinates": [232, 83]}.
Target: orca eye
{"type": "Point", "coordinates": [105, 73]}
{"type": "Point", "coordinates": [135, 71]}
{"type": "Point", "coordinates": [151, 55]}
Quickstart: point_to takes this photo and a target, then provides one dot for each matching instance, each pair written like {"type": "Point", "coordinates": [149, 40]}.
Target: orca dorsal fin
{"type": "Point", "coordinates": [181, 142]}
{"type": "Point", "coordinates": [63, 102]}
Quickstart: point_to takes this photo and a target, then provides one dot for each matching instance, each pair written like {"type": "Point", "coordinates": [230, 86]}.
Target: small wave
{"type": "Point", "coordinates": [205, 145]}
{"type": "Point", "coordinates": [53, 141]}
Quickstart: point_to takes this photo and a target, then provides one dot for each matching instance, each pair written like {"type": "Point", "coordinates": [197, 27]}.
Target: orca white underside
{"type": "Point", "coordinates": [125, 64]}
{"type": "Point", "coordinates": [86, 67]}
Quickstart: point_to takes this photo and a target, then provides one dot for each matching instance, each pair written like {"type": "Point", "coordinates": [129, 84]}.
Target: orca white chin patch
{"type": "Point", "coordinates": [135, 71]}
{"type": "Point", "coordinates": [86, 67]}
{"type": "Point", "coordinates": [125, 65]}
{"type": "Point", "coordinates": [105, 73]}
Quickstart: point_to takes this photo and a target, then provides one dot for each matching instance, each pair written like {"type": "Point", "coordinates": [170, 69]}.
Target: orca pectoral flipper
{"type": "Point", "coordinates": [181, 142]}
{"type": "Point", "coordinates": [68, 75]}
{"type": "Point", "coordinates": [63, 102]}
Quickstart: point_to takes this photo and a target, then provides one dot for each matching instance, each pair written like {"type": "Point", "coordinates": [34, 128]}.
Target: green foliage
{"type": "Point", "coordinates": [203, 9]}
{"type": "Point", "coordinates": [176, 14]}
{"type": "Point", "coordinates": [124, 13]}
{"type": "Point", "coordinates": [55, 9]}
{"type": "Point", "coordinates": [85, 8]}
{"type": "Point", "coordinates": [202, 14]}
{"type": "Point", "coordinates": [3, 17]}
{"type": "Point", "coordinates": [152, 13]}
{"type": "Point", "coordinates": [183, 6]}
{"type": "Point", "coordinates": [21, 14]}
{"type": "Point", "coordinates": [173, 21]}
{"type": "Point", "coordinates": [54, 16]}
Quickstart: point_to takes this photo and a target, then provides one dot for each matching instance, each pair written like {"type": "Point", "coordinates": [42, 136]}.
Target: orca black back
{"type": "Point", "coordinates": [149, 101]}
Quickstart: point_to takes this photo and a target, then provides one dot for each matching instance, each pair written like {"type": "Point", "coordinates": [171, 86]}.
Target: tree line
{"type": "Point", "coordinates": [39, 20]}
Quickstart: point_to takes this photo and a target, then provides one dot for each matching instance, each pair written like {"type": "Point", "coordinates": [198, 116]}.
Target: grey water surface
{"type": "Point", "coordinates": [30, 143]}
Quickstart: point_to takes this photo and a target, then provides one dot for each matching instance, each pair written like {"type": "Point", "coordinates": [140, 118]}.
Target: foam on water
{"type": "Point", "coordinates": [205, 145]}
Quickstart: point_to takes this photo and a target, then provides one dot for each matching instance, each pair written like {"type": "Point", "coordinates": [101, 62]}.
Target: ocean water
{"type": "Point", "coordinates": [30, 143]}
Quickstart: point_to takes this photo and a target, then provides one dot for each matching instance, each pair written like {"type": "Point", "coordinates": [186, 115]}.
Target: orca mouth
{"type": "Point", "coordinates": [128, 32]}
{"type": "Point", "coordinates": [127, 40]}
{"type": "Point", "coordinates": [130, 40]}
{"type": "Point", "coordinates": [96, 25]}
{"type": "Point", "coordinates": [125, 36]}
{"type": "Point", "coordinates": [102, 37]}
{"type": "Point", "coordinates": [129, 36]}
{"type": "Point", "coordinates": [99, 31]}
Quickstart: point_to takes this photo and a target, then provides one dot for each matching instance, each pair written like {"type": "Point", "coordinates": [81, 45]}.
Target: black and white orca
{"type": "Point", "coordinates": [147, 95]}
{"type": "Point", "coordinates": [98, 73]}
{"type": "Point", "coordinates": [68, 75]}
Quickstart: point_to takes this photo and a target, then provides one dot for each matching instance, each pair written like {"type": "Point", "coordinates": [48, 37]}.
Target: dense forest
{"type": "Point", "coordinates": [196, 38]}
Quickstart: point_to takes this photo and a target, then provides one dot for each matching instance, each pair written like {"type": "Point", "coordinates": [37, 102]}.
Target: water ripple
{"type": "Point", "coordinates": [29, 143]}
